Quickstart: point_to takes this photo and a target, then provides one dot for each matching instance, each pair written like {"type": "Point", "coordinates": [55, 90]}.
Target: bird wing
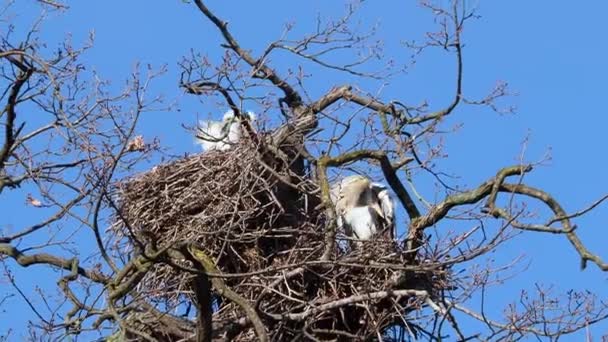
{"type": "Point", "coordinates": [334, 193]}
{"type": "Point", "coordinates": [337, 189]}
{"type": "Point", "coordinates": [210, 135]}
{"type": "Point", "coordinates": [387, 206]}
{"type": "Point", "coordinates": [358, 216]}
{"type": "Point", "coordinates": [234, 132]}
{"type": "Point", "coordinates": [361, 221]}
{"type": "Point", "coordinates": [337, 198]}
{"type": "Point", "coordinates": [344, 227]}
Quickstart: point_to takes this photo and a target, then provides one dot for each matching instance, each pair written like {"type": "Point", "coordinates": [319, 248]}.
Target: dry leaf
{"type": "Point", "coordinates": [32, 201]}
{"type": "Point", "coordinates": [136, 144]}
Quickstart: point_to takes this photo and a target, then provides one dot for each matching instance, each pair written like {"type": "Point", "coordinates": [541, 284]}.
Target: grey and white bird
{"type": "Point", "coordinates": [363, 208]}
{"type": "Point", "coordinates": [221, 135]}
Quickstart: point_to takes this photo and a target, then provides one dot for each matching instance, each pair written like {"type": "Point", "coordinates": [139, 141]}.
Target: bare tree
{"type": "Point", "coordinates": [243, 244]}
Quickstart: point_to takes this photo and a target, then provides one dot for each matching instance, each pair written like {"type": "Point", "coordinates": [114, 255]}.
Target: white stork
{"type": "Point", "coordinates": [221, 135]}
{"type": "Point", "coordinates": [363, 208]}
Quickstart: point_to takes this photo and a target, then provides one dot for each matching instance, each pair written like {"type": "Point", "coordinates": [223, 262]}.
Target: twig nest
{"type": "Point", "coordinates": [231, 202]}
{"type": "Point", "coordinates": [265, 228]}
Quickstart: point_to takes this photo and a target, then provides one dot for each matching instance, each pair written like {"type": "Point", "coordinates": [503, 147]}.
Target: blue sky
{"type": "Point", "coordinates": [551, 53]}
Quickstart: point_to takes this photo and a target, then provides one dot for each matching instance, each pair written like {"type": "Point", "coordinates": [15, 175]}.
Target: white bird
{"type": "Point", "coordinates": [221, 135]}
{"type": "Point", "coordinates": [363, 208]}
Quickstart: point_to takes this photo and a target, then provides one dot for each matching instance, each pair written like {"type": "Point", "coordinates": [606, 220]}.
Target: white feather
{"type": "Point", "coordinates": [387, 205]}
{"type": "Point", "coordinates": [362, 222]}
{"type": "Point", "coordinates": [337, 188]}
{"type": "Point", "coordinates": [362, 216]}
{"type": "Point", "coordinates": [209, 135]}
{"type": "Point", "coordinates": [221, 135]}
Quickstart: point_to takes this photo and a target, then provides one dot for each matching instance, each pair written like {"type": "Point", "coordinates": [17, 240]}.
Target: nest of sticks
{"type": "Point", "coordinates": [268, 234]}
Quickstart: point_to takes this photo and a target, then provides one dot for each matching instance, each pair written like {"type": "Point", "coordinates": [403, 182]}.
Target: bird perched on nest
{"type": "Point", "coordinates": [364, 208]}
{"type": "Point", "coordinates": [221, 135]}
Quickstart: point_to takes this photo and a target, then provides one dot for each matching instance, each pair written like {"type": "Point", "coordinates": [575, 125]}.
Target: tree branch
{"type": "Point", "coordinates": [48, 259]}
{"type": "Point", "coordinates": [10, 132]}
{"type": "Point", "coordinates": [348, 301]}
{"type": "Point", "coordinates": [225, 291]}
{"type": "Point", "coordinates": [292, 97]}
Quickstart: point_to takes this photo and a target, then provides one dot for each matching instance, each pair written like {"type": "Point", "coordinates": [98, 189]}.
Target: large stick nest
{"type": "Point", "coordinates": [230, 202]}
{"type": "Point", "coordinates": [237, 205]}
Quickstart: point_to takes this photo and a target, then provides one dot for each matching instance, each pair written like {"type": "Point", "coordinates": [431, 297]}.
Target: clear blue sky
{"type": "Point", "coordinates": [552, 53]}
